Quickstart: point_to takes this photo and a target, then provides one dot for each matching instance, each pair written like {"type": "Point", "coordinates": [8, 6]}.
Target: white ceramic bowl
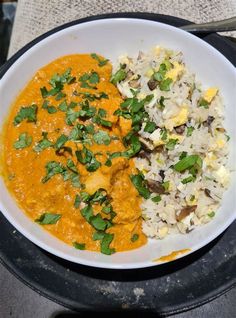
{"type": "Point", "coordinates": [112, 37]}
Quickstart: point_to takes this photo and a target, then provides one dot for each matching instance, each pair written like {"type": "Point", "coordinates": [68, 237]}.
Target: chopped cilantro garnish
{"type": "Point", "coordinates": [134, 237]}
{"type": "Point", "coordinates": [24, 141]}
{"type": "Point", "coordinates": [119, 76]}
{"type": "Point", "coordinates": [98, 222]}
{"type": "Point", "coordinates": [86, 157]}
{"type": "Point", "coordinates": [63, 106]}
{"type": "Point", "coordinates": [150, 127]}
{"type": "Point", "coordinates": [60, 141]}
{"type": "Point", "coordinates": [71, 116]}
{"type": "Point", "coordinates": [53, 168]}
{"type": "Point", "coordinates": [50, 109]}
{"type": "Point", "coordinates": [105, 244]}
{"type": "Point", "coordinates": [29, 113]}
{"type": "Point", "coordinates": [79, 246]}
{"type": "Point", "coordinates": [102, 137]}
{"type": "Point", "coordinates": [77, 201]}
{"type": "Point", "coordinates": [89, 78]}
{"type": "Point", "coordinates": [43, 143]}
{"type": "Point", "coordinates": [60, 95]}
{"type": "Point", "coordinates": [139, 183]}
{"type": "Point", "coordinates": [87, 212]}
{"type": "Point", "coordinates": [102, 112]}
{"type": "Point", "coordinates": [101, 62]}
{"type": "Point", "coordinates": [98, 236]}
{"type": "Point", "coordinates": [48, 218]}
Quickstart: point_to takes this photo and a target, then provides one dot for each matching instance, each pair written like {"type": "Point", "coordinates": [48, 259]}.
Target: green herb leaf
{"type": "Point", "coordinates": [171, 144]}
{"type": "Point", "coordinates": [183, 155]}
{"type": "Point", "coordinates": [101, 62]}
{"type": "Point", "coordinates": [203, 103]}
{"type": "Point", "coordinates": [150, 127]}
{"type": "Point", "coordinates": [139, 183]}
{"type": "Point", "coordinates": [60, 95]}
{"type": "Point", "coordinates": [29, 113]}
{"type": "Point", "coordinates": [60, 141]}
{"type": "Point", "coordinates": [98, 223]}
{"type": "Point", "coordinates": [71, 116]}
{"type": "Point", "coordinates": [63, 106]}
{"type": "Point", "coordinates": [105, 244]}
{"type": "Point", "coordinates": [190, 131]}
{"type": "Point", "coordinates": [161, 104]}
{"type": "Point", "coordinates": [50, 109]}
{"type": "Point", "coordinates": [87, 79]}
{"type": "Point", "coordinates": [57, 87]}
{"type": "Point", "coordinates": [71, 166]}
{"type": "Point", "coordinates": [192, 198]}
{"type": "Point", "coordinates": [98, 236]}
{"type": "Point", "coordinates": [48, 218]}
{"type": "Point", "coordinates": [188, 162]}
{"type": "Point", "coordinates": [24, 141]}
{"type": "Point", "coordinates": [156, 199]}
{"type": "Point", "coordinates": [166, 185]}
{"type": "Point", "coordinates": [87, 212]}
{"type": "Point", "coordinates": [86, 157]}
{"type": "Point", "coordinates": [94, 78]}
{"type": "Point", "coordinates": [53, 168]}
{"type": "Point", "coordinates": [102, 112]}
{"type": "Point", "coordinates": [211, 214]}
{"type": "Point", "coordinates": [43, 144]}
{"type": "Point", "coordinates": [77, 201]}
{"type": "Point", "coordinates": [165, 84]}
{"type": "Point", "coordinates": [102, 137]}
{"type": "Point", "coordinates": [119, 76]}
{"type": "Point", "coordinates": [134, 237]}
{"type": "Point", "coordinates": [163, 134]}
{"type": "Point", "coordinates": [59, 80]}
{"type": "Point", "coordinates": [160, 74]}
{"type": "Point", "coordinates": [79, 246]}
{"type": "Point", "coordinates": [188, 179]}
{"type": "Point", "coordinates": [107, 209]}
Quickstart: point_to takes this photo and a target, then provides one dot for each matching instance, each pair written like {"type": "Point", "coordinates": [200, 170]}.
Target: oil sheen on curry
{"type": "Point", "coordinates": [67, 162]}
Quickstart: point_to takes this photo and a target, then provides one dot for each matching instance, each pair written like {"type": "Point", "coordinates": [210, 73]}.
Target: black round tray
{"type": "Point", "coordinates": [166, 289]}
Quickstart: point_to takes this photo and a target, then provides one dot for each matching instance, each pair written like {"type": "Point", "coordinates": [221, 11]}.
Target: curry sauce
{"type": "Point", "coordinates": [65, 160]}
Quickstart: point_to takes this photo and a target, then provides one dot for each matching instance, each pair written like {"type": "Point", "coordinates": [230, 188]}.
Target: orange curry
{"type": "Point", "coordinates": [65, 160]}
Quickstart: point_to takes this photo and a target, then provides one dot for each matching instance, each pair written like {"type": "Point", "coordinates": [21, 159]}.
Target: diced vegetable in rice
{"type": "Point", "coordinates": [185, 147]}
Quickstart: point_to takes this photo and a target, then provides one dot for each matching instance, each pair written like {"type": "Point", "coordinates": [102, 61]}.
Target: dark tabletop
{"type": "Point", "coordinates": [19, 301]}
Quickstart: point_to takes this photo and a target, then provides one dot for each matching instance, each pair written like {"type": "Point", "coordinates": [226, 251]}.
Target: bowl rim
{"type": "Point", "coordinates": [18, 54]}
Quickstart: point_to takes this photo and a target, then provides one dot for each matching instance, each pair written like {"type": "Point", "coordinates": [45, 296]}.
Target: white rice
{"type": "Point", "coordinates": [207, 141]}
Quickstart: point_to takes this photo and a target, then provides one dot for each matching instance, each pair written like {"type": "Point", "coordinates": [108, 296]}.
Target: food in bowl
{"type": "Point", "coordinates": [182, 164]}
{"type": "Point", "coordinates": [102, 171]}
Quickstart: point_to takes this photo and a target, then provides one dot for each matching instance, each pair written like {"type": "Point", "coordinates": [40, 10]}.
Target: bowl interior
{"type": "Point", "coordinates": [111, 38]}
